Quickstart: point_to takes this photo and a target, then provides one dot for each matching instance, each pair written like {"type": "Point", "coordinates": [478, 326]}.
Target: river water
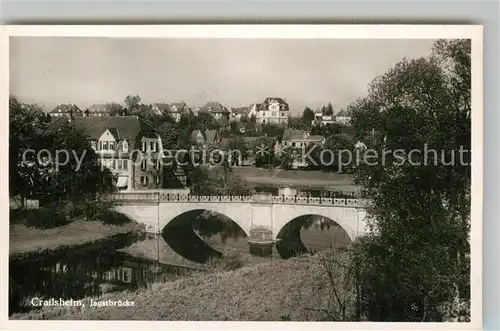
{"type": "Point", "coordinates": [127, 263]}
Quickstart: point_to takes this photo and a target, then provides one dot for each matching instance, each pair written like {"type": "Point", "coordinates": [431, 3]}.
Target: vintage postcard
{"type": "Point", "coordinates": [327, 174]}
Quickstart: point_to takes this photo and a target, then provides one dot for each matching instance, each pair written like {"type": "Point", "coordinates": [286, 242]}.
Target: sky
{"type": "Point", "coordinates": [235, 72]}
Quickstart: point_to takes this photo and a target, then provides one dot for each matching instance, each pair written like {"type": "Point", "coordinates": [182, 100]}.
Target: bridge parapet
{"type": "Point", "coordinates": [156, 197]}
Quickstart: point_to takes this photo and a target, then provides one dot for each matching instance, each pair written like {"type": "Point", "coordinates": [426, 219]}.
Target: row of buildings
{"type": "Point", "coordinates": [131, 148]}
{"type": "Point", "coordinates": [273, 110]}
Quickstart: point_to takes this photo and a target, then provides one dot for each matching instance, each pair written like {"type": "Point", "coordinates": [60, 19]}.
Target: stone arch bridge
{"type": "Point", "coordinates": [258, 213]}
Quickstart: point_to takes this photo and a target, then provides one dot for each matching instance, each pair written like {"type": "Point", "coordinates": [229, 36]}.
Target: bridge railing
{"type": "Point", "coordinates": [183, 198]}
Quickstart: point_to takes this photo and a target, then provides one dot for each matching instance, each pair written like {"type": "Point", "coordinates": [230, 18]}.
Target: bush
{"type": "Point", "coordinates": [230, 261]}
{"type": "Point", "coordinates": [99, 211]}
{"type": "Point", "coordinates": [46, 218]}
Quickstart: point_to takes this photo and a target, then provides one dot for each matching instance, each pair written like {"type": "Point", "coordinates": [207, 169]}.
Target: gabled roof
{"type": "Point", "coordinates": [164, 107]}
{"type": "Point", "coordinates": [208, 135]}
{"type": "Point", "coordinates": [283, 104]}
{"type": "Point", "coordinates": [241, 110]}
{"type": "Point", "coordinates": [214, 107]}
{"type": "Point", "coordinates": [167, 108]}
{"type": "Point", "coordinates": [125, 127]}
{"type": "Point", "coordinates": [179, 105]}
{"type": "Point", "coordinates": [66, 108]}
{"type": "Point", "coordinates": [115, 133]}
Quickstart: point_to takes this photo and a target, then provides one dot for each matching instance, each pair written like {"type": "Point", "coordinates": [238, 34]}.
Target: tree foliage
{"type": "Point", "coordinates": [416, 260]}
{"type": "Point", "coordinates": [39, 175]}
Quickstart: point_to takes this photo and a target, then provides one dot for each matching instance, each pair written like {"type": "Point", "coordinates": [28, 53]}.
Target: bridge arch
{"type": "Point", "coordinates": [325, 232]}
{"type": "Point", "coordinates": [186, 233]}
{"type": "Point", "coordinates": [351, 219]}
{"type": "Point", "coordinates": [239, 213]}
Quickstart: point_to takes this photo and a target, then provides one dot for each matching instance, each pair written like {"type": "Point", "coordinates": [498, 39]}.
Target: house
{"type": "Point", "coordinates": [253, 109]}
{"type": "Point", "coordinates": [321, 120]}
{"type": "Point", "coordinates": [160, 108]}
{"type": "Point", "coordinates": [300, 138]}
{"type": "Point", "coordinates": [216, 109]}
{"type": "Point", "coordinates": [273, 110]}
{"type": "Point", "coordinates": [343, 117]}
{"type": "Point", "coordinates": [173, 109]}
{"type": "Point", "coordinates": [126, 145]}
{"type": "Point", "coordinates": [297, 139]}
{"type": "Point", "coordinates": [98, 110]}
{"type": "Point", "coordinates": [175, 174]}
{"type": "Point", "coordinates": [204, 138]}
{"type": "Point", "coordinates": [239, 112]}
{"type": "Point", "coordinates": [66, 110]}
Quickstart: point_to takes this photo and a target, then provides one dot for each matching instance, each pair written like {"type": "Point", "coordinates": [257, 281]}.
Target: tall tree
{"type": "Point", "coordinates": [418, 105]}
{"type": "Point", "coordinates": [132, 102]}
{"type": "Point", "coordinates": [114, 109]}
{"type": "Point", "coordinates": [329, 109]}
{"type": "Point", "coordinates": [308, 115]}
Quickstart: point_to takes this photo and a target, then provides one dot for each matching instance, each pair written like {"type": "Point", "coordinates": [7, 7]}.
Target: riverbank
{"type": "Point", "coordinates": [301, 179]}
{"type": "Point", "coordinates": [25, 241]}
{"type": "Point", "coordinates": [277, 291]}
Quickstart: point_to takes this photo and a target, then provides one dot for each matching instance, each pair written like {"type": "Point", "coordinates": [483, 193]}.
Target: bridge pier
{"type": "Point", "coordinates": [261, 241]}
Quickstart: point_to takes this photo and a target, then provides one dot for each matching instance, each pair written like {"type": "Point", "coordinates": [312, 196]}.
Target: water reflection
{"type": "Point", "coordinates": [132, 263]}
{"type": "Point", "coordinates": [84, 273]}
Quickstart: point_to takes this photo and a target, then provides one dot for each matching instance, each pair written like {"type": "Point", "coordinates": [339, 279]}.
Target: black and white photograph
{"type": "Point", "coordinates": [241, 173]}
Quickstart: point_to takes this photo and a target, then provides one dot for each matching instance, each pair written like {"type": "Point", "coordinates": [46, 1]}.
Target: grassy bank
{"type": "Point", "coordinates": [311, 179]}
{"type": "Point", "coordinates": [26, 241]}
{"type": "Point", "coordinates": [282, 290]}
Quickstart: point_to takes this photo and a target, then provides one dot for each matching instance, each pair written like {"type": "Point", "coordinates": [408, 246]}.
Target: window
{"type": "Point", "coordinates": [273, 114]}
{"type": "Point", "coordinates": [282, 114]}
{"type": "Point", "coordinates": [105, 145]}
{"type": "Point", "coordinates": [120, 164]}
{"type": "Point", "coordinates": [152, 145]}
{"type": "Point", "coordinates": [143, 164]}
{"type": "Point", "coordinates": [144, 180]}
{"type": "Point", "coordinates": [113, 164]}
{"type": "Point", "coordinates": [112, 145]}
{"type": "Point", "coordinates": [293, 144]}
{"type": "Point", "coordinates": [100, 145]}
{"type": "Point", "coordinates": [124, 146]}
{"type": "Point", "coordinates": [143, 147]}
{"type": "Point", "coordinates": [125, 164]}
{"type": "Point", "coordinates": [126, 276]}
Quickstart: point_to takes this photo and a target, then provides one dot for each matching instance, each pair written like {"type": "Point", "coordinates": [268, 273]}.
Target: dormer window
{"type": "Point", "coordinates": [124, 146]}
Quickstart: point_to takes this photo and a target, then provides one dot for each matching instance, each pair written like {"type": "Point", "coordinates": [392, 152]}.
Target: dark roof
{"type": "Point", "coordinates": [241, 110]}
{"type": "Point", "coordinates": [214, 107]}
{"type": "Point", "coordinates": [283, 104]}
{"type": "Point", "coordinates": [115, 133]}
{"type": "Point", "coordinates": [122, 127]}
{"type": "Point", "coordinates": [66, 108]}
{"type": "Point", "coordinates": [179, 105]}
{"type": "Point", "coordinates": [208, 135]}
{"type": "Point", "coordinates": [165, 107]}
